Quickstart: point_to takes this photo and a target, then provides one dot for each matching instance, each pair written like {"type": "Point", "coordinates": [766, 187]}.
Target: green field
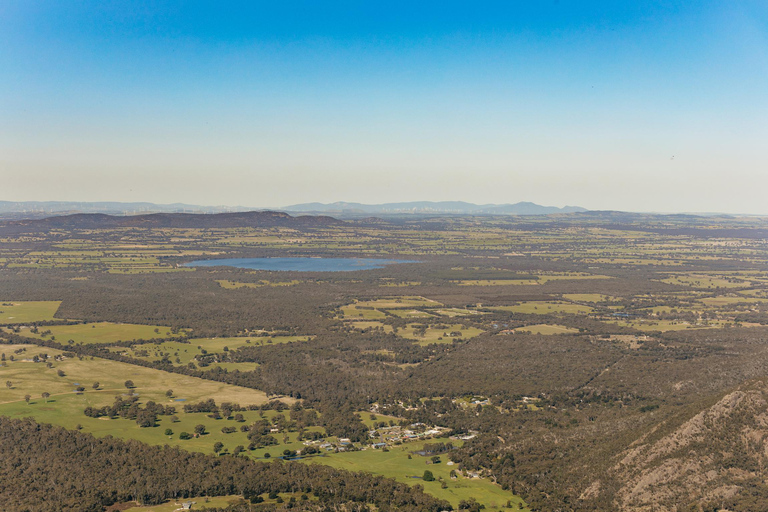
{"type": "Point", "coordinates": [410, 313]}
{"type": "Point", "coordinates": [200, 503]}
{"type": "Point", "coordinates": [100, 332]}
{"type": "Point", "coordinates": [438, 333]}
{"type": "Point", "coordinates": [399, 302]}
{"type": "Point", "coordinates": [396, 464]}
{"type": "Point", "coordinates": [705, 281]}
{"type": "Point", "coordinates": [544, 308]}
{"type": "Point", "coordinates": [496, 282]}
{"type": "Point", "coordinates": [727, 301]}
{"type": "Point", "coordinates": [666, 325]}
{"type": "Point", "coordinates": [355, 312]}
{"type": "Point", "coordinates": [21, 312]}
{"type": "Point", "coordinates": [234, 285]}
{"type": "Point", "coordinates": [588, 297]}
{"type": "Point", "coordinates": [29, 378]}
{"type": "Point", "coordinates": [372, 325]}
{"type": "Point", "coordinates": [547, 329]}
{"type": "Point", "coordinates": [453, 312]}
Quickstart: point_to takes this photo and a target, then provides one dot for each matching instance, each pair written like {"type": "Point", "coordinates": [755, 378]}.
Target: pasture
{"type": "Point", "coordinates": [99, 332]}
{"type": "Point", "coordinates": [200, 503]}
{"type": "Point", "coordinates": [396, 464]}
{"type": "Point", "coordinates": [545, 307]}
{"type": "Point", "coordinates": [234, 285]}
{"type": "Point", "coordinates": [22, 312]}
{"type": "Point", "coordinates": [546, 329]}
{"type": "Point", "coordinates": [440, 333]}
{"type": "Point", "coordinates": [30, 378]}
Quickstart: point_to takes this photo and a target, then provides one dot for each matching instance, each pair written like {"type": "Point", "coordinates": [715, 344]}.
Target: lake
{"type": "Point", "coordinates": [299, 264]}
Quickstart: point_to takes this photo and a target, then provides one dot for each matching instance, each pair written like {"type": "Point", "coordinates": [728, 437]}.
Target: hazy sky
{"type": "Point", "coordinates": [609, 105]}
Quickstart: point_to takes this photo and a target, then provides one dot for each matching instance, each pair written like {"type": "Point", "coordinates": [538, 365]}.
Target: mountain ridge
{"type": "Point", "coordinates": [431, 207]}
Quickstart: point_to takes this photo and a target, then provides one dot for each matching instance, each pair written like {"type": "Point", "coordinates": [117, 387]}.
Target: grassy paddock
{"type": "Point", "coordinates": [100, 332]}
{"type": "Point", "coordinates": [547, 329]}
{"type": "Point", "coordinates": [21, 312]}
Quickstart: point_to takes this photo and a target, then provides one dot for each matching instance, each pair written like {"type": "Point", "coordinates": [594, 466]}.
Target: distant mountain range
{"type": "Point", "coordinates": [166, 220]}
{"type": "Point", "coordinates": [429, 207]}
{"type": "Point", "coordinates": [43, 209]}
{"type": "Point", "coordinates": [40, 209]}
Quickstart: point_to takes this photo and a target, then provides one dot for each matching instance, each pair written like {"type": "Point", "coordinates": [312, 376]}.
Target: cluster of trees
{"type": "Point", "coordinates": [130, 408]}
{"type": "Point", "coordinates": [50, 469]}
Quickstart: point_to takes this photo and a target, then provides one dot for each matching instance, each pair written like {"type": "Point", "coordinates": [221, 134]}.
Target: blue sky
{"type": "Point", "coordinates": [647, 106]}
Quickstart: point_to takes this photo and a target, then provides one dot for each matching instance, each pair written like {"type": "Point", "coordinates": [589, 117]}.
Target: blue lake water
{"type": "Point", "coordinates": [299, 264]}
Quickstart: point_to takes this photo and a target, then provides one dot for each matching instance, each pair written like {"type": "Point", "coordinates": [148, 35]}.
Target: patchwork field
{"type": "Point", "coordinates": [544, 308]}
{"type": "Point", "coordinates": [396, 464]}
{"type": "Point", "coordinates": [547, 329]}
{"type": "Point", "coordinates": [21, 312]}
{"type": "Point", "coordinates": [31, 378]}
{"type": "Point", "coordinates": [100, 332]}
{"type": "Point", "coordinates": [234, 285]}
{"type": "Point", "coordinates": [438, 333]}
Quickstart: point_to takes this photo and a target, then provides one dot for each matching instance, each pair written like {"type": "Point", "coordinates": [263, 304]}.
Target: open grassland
{"type": "Point", "coordinates": [396, 464]}
{"type": "Point", "coordinates": [372, 325]}
{"type": "Point", "coordinates": [496, 282]}
{"type": "Point", "coordinates": [356, 312]}
{"type": "Point", "coordinates": [410, 313]}
{"type": "Point", "coordinates": [100, 332]}
{"type": "Point", "coordinates": [547, 329]}
{"type": "Point", "coordinates": [588, 297]}
{"type": "Point", "coordinates": [399, 302]}
{"type": "Point", "coordinates": [234, 285]}
{"type": "Point", "coordinates": [22, 312]}
{"type": "Point", "coordinates": [30, 378]}
{"type": "Point", "coordinates": [200, 503]}
{"type": "Point", "coordinates": [438, 333]}
{"type": "Point", "coordinates": [453, 312]}
{"type": "Point", "coordinates": [670, 325]}
{"type": "Point", "coordinates": [545, 307]}
{"type": "Point", "coordinates": [181, 353]}
{"type": "Point", "coordinates": [401, 307]}
{"type": "Point", "coordinates": [727, 301]}
{"type": "Point", "coordinates": [705, 281]}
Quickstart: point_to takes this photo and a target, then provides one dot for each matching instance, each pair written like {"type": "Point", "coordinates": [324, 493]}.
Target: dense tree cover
{"type": "Point", "coordinates": [46, 468]}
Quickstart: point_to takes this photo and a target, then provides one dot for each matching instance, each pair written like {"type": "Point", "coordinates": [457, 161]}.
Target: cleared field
{"type": "Point", "coordinates": [183, 353]}
{"type": "Point", "coordinates": [667, 325]}
{"type": "Point", "coordinates": [543, 308]}
{"type": "Point", "coordinates": [453, 312]}
{"type": "Point", "coordinates": [355, 312]}
{"type": "Point", "coordinates": [438, 334]}
{"type": "Point", "coordinates": [588, 297]}
{"type": "Point", "coordinates": [547, 329]}
{"type": "Point", "coordinates": [496, 282]}
{"type": "Point", "coordinates": [412, 313]}
{"type": "Point", "coordinates": [18, 312]}
{"type": "Point", "coordinates": [30, 378]}
{"type": "Point", "coordinates": [372, 325]}
{"type": "Point", "coordinates": [234, 285]}
{"type": "Point", "coordinates": [200, 503]}
{"type": "Point", "coordinates": [101, 332]}
{"type": "Point", "coordinates": [705, 281]}
{"type": "Point", "coordinates": [399, 302]}
{"type": "Point", "coordinates": [574, 276]}
{"type": "Point", "coordinates": [396, 464]}
{"type": "Point", "coordinates": [727, 301]}
{"type": "Point", "coordinates": [370, 418]}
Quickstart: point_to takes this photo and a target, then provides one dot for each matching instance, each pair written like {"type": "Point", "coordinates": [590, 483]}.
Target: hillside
{"type": "Point", "coordinates": [166, 220]}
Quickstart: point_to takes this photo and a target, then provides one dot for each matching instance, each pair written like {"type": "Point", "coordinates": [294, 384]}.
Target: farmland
{"type": "Point", "coordinates": [534, 346]}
